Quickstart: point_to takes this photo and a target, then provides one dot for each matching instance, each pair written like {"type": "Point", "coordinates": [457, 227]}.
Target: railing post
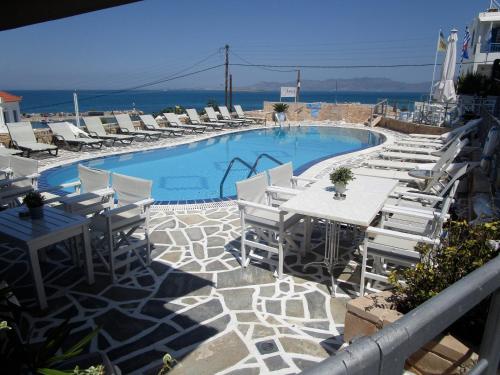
{"type": "Point", "coordinates": [490, 345]}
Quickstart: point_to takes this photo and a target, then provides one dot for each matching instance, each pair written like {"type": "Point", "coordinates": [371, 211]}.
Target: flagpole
{"type": "Point", "coordinates": [435, 63]}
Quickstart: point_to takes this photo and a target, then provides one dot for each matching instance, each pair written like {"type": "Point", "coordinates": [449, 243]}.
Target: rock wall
{"type": "Point", "coordinates": [409, 127]}
{"type": "Point", "coordinates": [353, 113]}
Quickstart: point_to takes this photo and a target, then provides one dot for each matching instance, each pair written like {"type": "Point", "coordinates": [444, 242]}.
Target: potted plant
{"type": "Point", "coordinates": [34, 201]}
{"type": "Point", "coordinates": [340, 177]}
{"type": "Point", "coordinates": [280, 111]}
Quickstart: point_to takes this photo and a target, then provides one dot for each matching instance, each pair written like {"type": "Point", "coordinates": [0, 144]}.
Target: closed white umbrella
{"type": "Point", "coordinates": [444, 90]}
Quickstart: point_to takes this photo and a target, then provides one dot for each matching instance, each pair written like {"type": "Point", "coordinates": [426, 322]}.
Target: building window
{"type": "Point", "coordinates": [6, 116]}
{"type": "Point", "coordinates": [15, 115]}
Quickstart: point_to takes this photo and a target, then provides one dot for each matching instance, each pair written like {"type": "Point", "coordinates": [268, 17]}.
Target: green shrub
{"type": "Point", "coordinates": [178, 110]}
{"type": "Point", "coordinates": [280, 107]}
{"type": "Point", "coordinates": [33, 199]}
{"type": "Point", "coordinates": [465, 249]}
{"type": "Point", "coordinates": [341, 175]}
{"type": "Point", "coordinates": [477, 84]}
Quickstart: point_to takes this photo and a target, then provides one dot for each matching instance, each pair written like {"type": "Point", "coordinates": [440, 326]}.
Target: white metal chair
{"type": "Point", "coordinates": [396, 248]}
{"type": "Point", "coordinates": [22, 178]}
{"type": "Point", "coordinates": [270, 226]}
{"type": "Point", "coordinates": [113, 229]}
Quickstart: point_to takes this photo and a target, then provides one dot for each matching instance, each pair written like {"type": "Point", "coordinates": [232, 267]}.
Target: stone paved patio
{"type": "Point", "coordinates": [194, 302]}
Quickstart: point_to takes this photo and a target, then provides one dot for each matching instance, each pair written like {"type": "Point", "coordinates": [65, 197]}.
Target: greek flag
{"type": "Point", "coordinates": [465, 46]}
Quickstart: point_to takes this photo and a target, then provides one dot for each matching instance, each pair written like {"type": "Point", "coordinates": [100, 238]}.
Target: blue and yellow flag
{"type": "Point", "coordinates": [442, 42]}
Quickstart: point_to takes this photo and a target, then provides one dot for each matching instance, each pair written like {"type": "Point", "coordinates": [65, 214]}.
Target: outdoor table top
{"type": "Point", "coordinates": [365, 197]}
{"type": "Point", "coordinates": [29, 231]}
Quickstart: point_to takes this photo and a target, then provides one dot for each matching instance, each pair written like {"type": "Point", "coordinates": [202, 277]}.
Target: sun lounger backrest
{"type": "Point", "coordinates": [21, 132]}
{"type": "Point", "coordinates": [130, 190]}
{"type": "Point", "coordinates": [62, 129]}
{"type": "Point", "coordinates": [224, 112]}
{"type": "Point", "coordinates": [455, 176]}
{"type": "Point", "coordinates": [193, 115]}
{"type": "Point", "coordinates": [94, 124]}
{"type": "Point", "coordinates": [149, 120]}
{"type": "Point", "coordinates": [93, 179]}
{"type": "Point", "coordinates": [22, 167]}
{"type": "Point", "coordinates": [211, 113]}
{"type": "Point", "coordinates": [4, 162]}
{"type": "Point", "coordinates": [239, 110]}
{"type": "Point", "coordinates": [253, 189]}
{"type": "Point", "coordinates": [125, 122]}
{"type": "Point", "coordinates": [173, 119]}
{"type": "Point", "coordinates": [281, 175]}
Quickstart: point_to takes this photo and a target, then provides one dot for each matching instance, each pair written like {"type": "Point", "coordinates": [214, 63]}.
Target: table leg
{"type": "Point", "coordinates": [37, 277]}
{"type": "Point", "coordinates": [306, 244]}
{"type": "Point", "coordinates": [89, 266]}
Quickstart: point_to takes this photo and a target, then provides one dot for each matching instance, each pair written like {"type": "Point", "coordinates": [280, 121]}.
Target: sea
{"type": "Point", "coordinates": [53, 101]}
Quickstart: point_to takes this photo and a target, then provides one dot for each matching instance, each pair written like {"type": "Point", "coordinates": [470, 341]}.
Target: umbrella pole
{"type": "Point", "coordinates": [435, 63]}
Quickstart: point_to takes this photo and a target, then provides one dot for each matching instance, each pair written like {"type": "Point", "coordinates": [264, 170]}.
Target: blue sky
{"type": "Point", "coordinates": [129, 45]}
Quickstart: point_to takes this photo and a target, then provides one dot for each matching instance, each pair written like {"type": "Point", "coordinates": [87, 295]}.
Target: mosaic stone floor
{"type": "Point", "coordinates": [194, 302]}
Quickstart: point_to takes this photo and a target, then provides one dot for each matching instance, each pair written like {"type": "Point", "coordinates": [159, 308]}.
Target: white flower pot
{"type": "Point", "coordinates": [340, 189]}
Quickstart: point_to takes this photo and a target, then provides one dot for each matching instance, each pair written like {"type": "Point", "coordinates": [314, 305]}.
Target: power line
{"type": "Point", "coordinates": [338, 66]}
{"type": "Point", "coordinates": [268, 69]}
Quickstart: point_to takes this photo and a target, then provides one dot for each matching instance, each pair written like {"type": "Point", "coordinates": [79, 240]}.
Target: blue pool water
{"type": "Point", "coordinates": [193, 172]}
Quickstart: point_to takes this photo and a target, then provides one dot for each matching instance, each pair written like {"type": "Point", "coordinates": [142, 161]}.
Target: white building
{"type": "Point", "coordinates": [9, 109]}
{"type": "Point", "coordinates": [484, 46]}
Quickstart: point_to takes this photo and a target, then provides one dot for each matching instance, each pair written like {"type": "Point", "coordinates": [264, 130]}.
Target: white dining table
{"type": "Point", "coordinates": [364, 198]}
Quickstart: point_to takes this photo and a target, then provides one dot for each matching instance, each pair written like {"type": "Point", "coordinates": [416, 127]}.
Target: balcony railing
{"type": "Point", "coordinates": [490, 47]}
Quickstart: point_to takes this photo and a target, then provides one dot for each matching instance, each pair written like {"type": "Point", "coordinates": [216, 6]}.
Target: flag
{"type": "Point", "coordinates": [442, 42]}
{"type": "Point", "coordinates": [465, 46]}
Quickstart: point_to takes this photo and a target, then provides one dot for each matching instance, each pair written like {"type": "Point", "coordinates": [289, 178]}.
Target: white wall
{"type": "Point", "coordinates": [10, 112]}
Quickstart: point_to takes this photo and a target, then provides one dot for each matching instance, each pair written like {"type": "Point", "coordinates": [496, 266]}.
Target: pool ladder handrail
{"type": "Point", "coordinates": [252, 168]}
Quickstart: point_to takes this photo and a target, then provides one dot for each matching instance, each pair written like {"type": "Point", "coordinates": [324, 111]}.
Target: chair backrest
{"type": "Point", "coordinates": [438, 223]}
{"type": "Point", "coordinates": [4, 162]}
{"type": "Point", "coordinates": [149, 120]}
{"type": "Point", "coordinates": [124, 122]}
{"type": "Point", "coordinates": [212, 116]}
{"type": "Point", "coordinates": [173, 119]}
{"type": "Point", "coordinates": [62, 129]}
{"type": "Point", "coordinates": [93, 179]}
{"type": "Point", "coordinates": [21, 132]}
{"type": "Point", "coordinates": [22, 167]}
{"type": "Point", "coordinates": [94, 124]}
{"type": "Point", "coordinates": [193, 116]}
{"type": "Point", "coordinates": [130, 190]}
{"type": "Point", "coordinates": [239, 110]}
{"type": "Point", "coordinates": [253, 189]}
{"type": "Point", "coordinates": [224, 112]}
{"type": "Point", "coordinates": [281, 175]}
{"type": "Point", "coordinates": [455, 176]}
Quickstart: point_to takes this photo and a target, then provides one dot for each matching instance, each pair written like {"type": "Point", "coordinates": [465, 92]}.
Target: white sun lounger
{"type": "Point", "coordinates": [468, 127]}
{"type": "Point", "coordinates": [224, 112]}
{"type": "Point", "coordinates": [241, 115]}
{"type": "Point", "coordinates": [23, 138]}
{"type": "Point", "coordinates": [151, 124]}
{"type": "Point", "coordinates": [195, 120]}
{"type": "Point", "coordinates": [174, 120]}
{"type": "Point", "coordinates": [9, 151]}
{"type": "Point", "coordinates": [212, 117]}
{"type": "Point", "coordinates": [409, 156]}
{"type": "Point", "coordinates": [96, 130]}
{"type": "Point", "coordinates": [64, 135]}
{"type": "Point", "coordinates": [127, 127]}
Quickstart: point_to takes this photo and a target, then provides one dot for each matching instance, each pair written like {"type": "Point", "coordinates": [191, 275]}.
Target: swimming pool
{"type": "Point", "coordinates": [191, 173]}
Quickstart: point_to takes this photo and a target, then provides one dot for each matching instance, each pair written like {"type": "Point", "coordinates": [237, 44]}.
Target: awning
{"type": "Point", "coordinates": [18, 13]}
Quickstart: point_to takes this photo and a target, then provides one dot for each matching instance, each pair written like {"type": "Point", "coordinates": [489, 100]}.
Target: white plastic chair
{"type": "Point", "coordinates": [22, 178]}
{"type": "Point", "coordinates": [113, 229]}
{"type": "Point", "coordinates": [270, 226]}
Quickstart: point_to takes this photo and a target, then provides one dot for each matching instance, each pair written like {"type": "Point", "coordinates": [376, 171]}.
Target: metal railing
{"type": "Point", "coordinates": [386, 351]}
{"type": "Point", "coordinates": [252, 168]}
{"type": "Point", "coordinates": [490, 47]}
{"type": "Point", "coordinates": [256, 163]}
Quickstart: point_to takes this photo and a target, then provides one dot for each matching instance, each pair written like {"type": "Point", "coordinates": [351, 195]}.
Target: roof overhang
{"type": "Point", "coordinates": [28, 12]}
{"type": "Point", "coordinates": [489, 16]}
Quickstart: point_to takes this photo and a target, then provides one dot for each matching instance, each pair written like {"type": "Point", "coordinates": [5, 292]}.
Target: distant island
{"type": "Point", "coordinates": [351, 84]}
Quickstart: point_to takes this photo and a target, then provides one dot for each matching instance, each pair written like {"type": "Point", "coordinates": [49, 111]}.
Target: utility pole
{"type": "Point", "coordinates": [230, 92]}
{"type": "Point", "coordinates": [298, 86]}
{"type": "Point", "coordinates": [226, 73]}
